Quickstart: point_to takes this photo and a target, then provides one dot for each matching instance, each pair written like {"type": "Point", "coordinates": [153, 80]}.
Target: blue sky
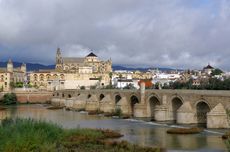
{"type": "Point", "coordinates": [158, 33]}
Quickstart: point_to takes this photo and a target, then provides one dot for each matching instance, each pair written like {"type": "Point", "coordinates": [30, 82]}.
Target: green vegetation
{"type": "Point", "coordinates": [110, 86]}
{"type": "Point", "coordinates": [82, 87]}
{"type": "Point", "coordinates": [216, 72]}
{"type": "Point", "coordinates": [93, 87]}
{"type": "Point", "coordinates": [194, 130]}
{"type": "Point", "coordinates": [1, 89]}
{"type": "Point", "coordinates": [9, 98]}
{"type": "Point", "coordinates": [118, 112]}
{"type": "Point", "coordinates": [55, 107]}
{"type": "Point", "coordinates": [226, 138]}
{"type": "Point", "coordinates": [95, 112]}
{"type": "Point", "coordinates": [129, 86]}
{"type": "Point", "coordinates": [16, 85]}
{"type": "Point", "coordinates": [30, 135]}
{"type": "Point", "coordinates": [210, 84]}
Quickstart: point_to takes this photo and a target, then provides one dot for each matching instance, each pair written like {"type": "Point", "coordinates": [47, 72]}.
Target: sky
{"type": "Point", "coordinates": [144, 33]}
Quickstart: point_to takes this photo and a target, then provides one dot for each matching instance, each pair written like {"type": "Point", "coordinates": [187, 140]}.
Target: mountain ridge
{"type": "Point", "coordinates": [38, 66]}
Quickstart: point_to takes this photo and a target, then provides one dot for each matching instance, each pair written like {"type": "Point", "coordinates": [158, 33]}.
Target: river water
{"type": "Point", "coordinates": [135, 131]}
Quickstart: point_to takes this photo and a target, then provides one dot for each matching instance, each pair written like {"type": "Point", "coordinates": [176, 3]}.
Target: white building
{"type": "Point", "coordinates": [164, 78]}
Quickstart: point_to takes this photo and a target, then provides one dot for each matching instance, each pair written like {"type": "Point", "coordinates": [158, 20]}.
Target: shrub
{"type": "Point", "coordinates": [1, 89]}
{"type": "Point", "coordinates": [118, 112]}
{"type": "Point", "coordinates": [9, 98]}
{"type": "Point", "coordinates": [38, 136]}
{"type": "Point", "coordinates": [19, 85]}
{"type": "Point", "coordinates": [93, 87]}
{"type": "Point", "coordinates": [82, 87]}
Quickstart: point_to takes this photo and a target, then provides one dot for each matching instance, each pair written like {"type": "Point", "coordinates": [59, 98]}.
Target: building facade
{"type": "Point", "coordinates": [89, 64]}
{"type": "Point", "coordinates": [73, 73]}
{"type": "Point", "coordinates": [11, 75]}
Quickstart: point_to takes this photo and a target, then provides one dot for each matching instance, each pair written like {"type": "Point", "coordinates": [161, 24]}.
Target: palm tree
{"type": "Point", "coordinates": [110, 76]}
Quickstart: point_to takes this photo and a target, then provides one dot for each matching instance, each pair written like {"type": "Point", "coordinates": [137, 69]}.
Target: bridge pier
{"type": "Point", "coordinates": [217, 117]}
{"type": "Point", "coordinates": [161, 113]}
{"type": "Point", "coordinates": [185, 114]}
{"type": "Point", "coordinates": [80, 102]}
{"type": "Point", "coordinates": [140, 111]}
{"type": "Point", "coordinates": [69, 103]}
{"type": "Point", "coordinates": [123, 105]}
{"type": "Point", "coordinates": [55, 101]}
{"type": "Point", "coordinates": [92, 103]}
{"type": "Point", "coordinates": [106, 104]}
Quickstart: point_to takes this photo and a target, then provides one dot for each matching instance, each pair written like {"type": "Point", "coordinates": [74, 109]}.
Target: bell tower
{"type": "Point", "coordinates": [10, 67]}
{"type": "Point", "coordinates": [59, 62]}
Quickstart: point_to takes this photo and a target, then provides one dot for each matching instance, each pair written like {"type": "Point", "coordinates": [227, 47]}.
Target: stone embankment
{"type": "Point", "coordinates": [31, 96]}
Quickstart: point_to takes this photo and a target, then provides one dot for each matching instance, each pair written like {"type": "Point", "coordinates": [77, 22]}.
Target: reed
{"type": "Point", "coordinates": [30, 135]}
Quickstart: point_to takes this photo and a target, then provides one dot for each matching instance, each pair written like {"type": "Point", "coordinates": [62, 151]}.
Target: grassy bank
{"type": "Point", "coordinates": [30, 135]}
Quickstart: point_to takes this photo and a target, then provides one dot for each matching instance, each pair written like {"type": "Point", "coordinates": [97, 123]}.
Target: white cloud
{"type": "Point", "coordinates": [171, 33]}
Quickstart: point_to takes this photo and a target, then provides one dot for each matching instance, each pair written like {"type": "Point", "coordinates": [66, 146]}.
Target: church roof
{"type": "Point", "coordinates": [73, 60]}
{"type": "Point", "coordinates": [208, 67]}
{"type": "Point", "coordinates": [91, 55]}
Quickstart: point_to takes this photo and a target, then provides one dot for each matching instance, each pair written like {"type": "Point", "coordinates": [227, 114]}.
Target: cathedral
{"type": "Point", "coordinates": [73, 73]}
{"type": "Point", "coordinates": [88, 64]}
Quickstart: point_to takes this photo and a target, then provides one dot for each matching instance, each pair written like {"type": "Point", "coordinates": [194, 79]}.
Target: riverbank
{"type": "Point", "coordinates": [135, 131]}
{"type": "Point", "coordinates": [31, 135]}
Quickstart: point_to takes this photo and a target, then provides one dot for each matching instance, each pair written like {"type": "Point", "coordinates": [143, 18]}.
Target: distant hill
{"type": "Point", "coordinates": [37, 66]}
{"type": "Point", "coordinates": [30, 66]}
{"type": "Point", "coordinates": [122, 67]}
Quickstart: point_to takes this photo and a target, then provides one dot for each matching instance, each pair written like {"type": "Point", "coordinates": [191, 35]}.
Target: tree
{"type": "Point", "coordinates": [129, 86]}
{"type": "Point", "coordinates": [19, 85]}
{"type": "Point", "coordinates": [12, 85]}
{"type": "Point", "coordinates": [110, 77]}
{"type": "Point", "coordinates": [9, 98]}
{"type": "Point", "coordinates": [216, 72]}
{"type": "Point", "coordinates": [1, 89]}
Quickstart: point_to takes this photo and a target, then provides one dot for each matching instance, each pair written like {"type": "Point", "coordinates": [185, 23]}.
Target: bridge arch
{"type": "Point", "coordinates": [101, 97]}
{"type": "Point", "coordinates": [133, 100]}
{"type": "Point", "coordinates": [202, 108]}
{"type": "Point", "coordinates": [117, 98]}
{"type": "Point", "coordinates": [89, 95]}
{"type": "Point", "coordinates": [176, 102]}
{"type": "Point", "coordinates": [153, 101]}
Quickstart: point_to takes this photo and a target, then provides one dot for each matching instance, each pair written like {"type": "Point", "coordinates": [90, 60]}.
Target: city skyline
{"type": "Point", "coordinates": [178, 34]}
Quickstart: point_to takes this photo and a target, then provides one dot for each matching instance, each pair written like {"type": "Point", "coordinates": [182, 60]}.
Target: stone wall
{"type": "Point", "coordinates": [32, 97]}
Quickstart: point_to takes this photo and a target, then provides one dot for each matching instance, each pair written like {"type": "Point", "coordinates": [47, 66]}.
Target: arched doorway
{"type": "Point", "coordinates": [133, 101]}
{"type": "Point", "coordinates": [202, 108]}
{"type": "Point", "coordinates": [153, 102]}
{"type": "Point", "coordinates": [176, 104]}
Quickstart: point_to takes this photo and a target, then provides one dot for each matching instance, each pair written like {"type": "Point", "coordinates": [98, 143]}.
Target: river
{"type": "Point", "coordinates": [135, 131]}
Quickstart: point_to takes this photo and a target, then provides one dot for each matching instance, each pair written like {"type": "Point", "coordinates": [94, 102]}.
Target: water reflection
{"type": "Point", "coordinates": [139, 132]}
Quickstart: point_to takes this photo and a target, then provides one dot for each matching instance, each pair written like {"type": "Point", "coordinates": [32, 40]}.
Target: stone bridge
{"type": "Point", "coordinates": [182, 106]}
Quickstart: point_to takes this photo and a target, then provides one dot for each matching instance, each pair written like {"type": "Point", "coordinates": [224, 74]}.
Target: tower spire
{"type": "Point", "coordinates": [58, 60]}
